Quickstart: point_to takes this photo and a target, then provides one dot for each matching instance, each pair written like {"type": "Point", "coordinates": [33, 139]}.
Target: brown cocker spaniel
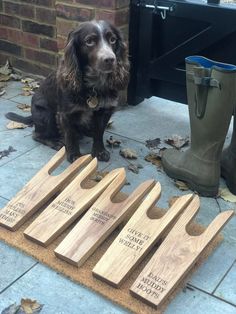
{"type": "Point", "coordinates": [80, 97]}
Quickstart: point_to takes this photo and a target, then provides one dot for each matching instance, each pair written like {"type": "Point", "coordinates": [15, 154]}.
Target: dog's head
{"type": "Point", "coordinates": [96, 47]}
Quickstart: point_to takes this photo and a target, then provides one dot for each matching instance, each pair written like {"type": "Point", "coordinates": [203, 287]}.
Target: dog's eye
{"type": "Point", "coordinates": [90, 42]}
{"type": "Point", "coordinates": [112, 40]}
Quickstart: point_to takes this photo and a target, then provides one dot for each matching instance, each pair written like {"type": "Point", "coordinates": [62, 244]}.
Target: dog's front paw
{"type": "Point", "coordinates": [72, 156]}
{"type": "Point", "coordinates": [102, 155]}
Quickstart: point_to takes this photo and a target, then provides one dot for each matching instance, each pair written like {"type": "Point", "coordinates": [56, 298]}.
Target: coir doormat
{"type": "Point", "coordinates": [83, 275]}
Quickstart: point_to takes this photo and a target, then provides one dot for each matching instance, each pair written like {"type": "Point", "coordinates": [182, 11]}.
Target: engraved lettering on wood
{"type": "Point", "coordinates": [99, 221]}
{"type": "Point", "coordinates": [38, 191]}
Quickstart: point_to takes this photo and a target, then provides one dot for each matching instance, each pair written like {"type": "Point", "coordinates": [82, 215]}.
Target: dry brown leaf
{"type": "Point", "coordinates": [24, 107]}
{"type": "Point", "coordinates": [30, 306]}
{"type": "Point", "coordinates": [226, 195]}
{"type": "Point", "coordinates": [109, 124]}
{"type": "Point", "coordinates": [181, 185]}
{"type": "Point", "coordinates": [99, 175]}
{"type": "Point", "coordinates": [128, 153]}
{"type": "Point", "coordinates": [154, 158]}
{"type": "Point", "coordinates": [6, 69]}
{"type": "Point", "coordinates": [12, 309]}
{"type": "Point", "coordinates": [112, 142]}
{"type": "Point", "coordinates": [172, 200]}
{"type": "Point", "coordinates": [177, 141]}
{"type": "Point", "coordinates": [16, 125]}
{"type": "Point", "coordinates": [2, 92]}
{"type": "Point", "coordinates": [151, 144]}
{"type": "Point", "coordinates": [134, 168]}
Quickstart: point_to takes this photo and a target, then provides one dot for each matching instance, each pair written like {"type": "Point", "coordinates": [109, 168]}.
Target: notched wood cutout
{"type": "Point", "coordinates": [175, 256]}
{"type": "Point", "coordinates": [137, 238]}
{"type": "Point", "coordinates": [99, 221]}
{"type": "Point", "coordinates": [39, 190]}
{"type": "Point", "coordinates": [68, 206]}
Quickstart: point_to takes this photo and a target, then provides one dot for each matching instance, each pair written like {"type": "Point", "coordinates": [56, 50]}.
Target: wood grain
{"type": "Point", "coordinates": [39, 190]}
{"type": "Point", "coordinates": [99, 221]}
{"type": "Point", "coordinates": [137, 238]}
{"type": "Point", "coordinates": [68, 206]}
{"type": "Point", "coordinates": [176, 255]}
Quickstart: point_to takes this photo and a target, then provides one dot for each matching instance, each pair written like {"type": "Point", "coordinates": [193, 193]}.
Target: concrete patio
{"type": "Point", "coordinates": [213, 285]}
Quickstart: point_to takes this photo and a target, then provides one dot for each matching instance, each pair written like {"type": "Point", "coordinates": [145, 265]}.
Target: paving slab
{"type": "Point", "coordinates": [58, 294]}
{"type": "Point", "coordinates": [227, 288]}
{"type": "Point", "coordinates": [198, 302]}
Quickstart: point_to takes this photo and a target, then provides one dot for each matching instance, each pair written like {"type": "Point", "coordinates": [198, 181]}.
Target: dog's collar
{"type": "Point", "coordinates": [92, 100]}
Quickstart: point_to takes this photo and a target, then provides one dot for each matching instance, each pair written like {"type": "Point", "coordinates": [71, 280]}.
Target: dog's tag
{"type": "Point", "coordinates": [175, 256]}
{"type": "Point", "coordinates": [68, 206]}
{"type": "Point", "coordinates": [99, 221]}
{"type": "Point", "coordinates": [92, 102]}
{"type": "Point", "coordinates": [137, 238]}
{"type": "Point", "coordinates": [39, 190]}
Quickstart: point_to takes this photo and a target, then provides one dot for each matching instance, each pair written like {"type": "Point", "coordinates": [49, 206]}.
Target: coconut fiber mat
{"type": "Point", "coordinates": [83, 274]}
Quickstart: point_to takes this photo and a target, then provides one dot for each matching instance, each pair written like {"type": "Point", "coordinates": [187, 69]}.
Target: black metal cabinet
{"type": "Point", "coordinates": [163, 33]}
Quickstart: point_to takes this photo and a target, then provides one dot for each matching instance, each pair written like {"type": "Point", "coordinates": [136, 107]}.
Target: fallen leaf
{"type": "Point", "coordinates": [177, 141]}
{"type": "Point", "coordinates": [134, 168]}
{"type": "Point", "coordinates": [151, 144]}
{"type": "Point", "coordinates": [109, 124]}
{"type": "Point", "coordinates": [6, 152]}
{"type": "Point", "coordinates": [6, 69]}
{"type": "Point", "coordinates": [30, 306]}
{"type": "Point", "coordinates": [226, 195]}
{"type": "Point", "coordinates": [128, 153]}
{"type": "Point", "coordinates": [154, 158]}
{"type": "Point", "coordinates": [2, 92]}
{"type": "Point", "coordinates": [172, 200]}
{"type": "Point", "coordinates": [181, 185]}
{"type": "Point", "coordinates": [12, 309]}
{"type": "Point", "coordinates": [26, 93]}
{"type": "Point", "coordinates": [16, 125]}
{"type": "Point", "coordinates": [112, 142]}
{"type": "Point", "coordinates": [15, 76]}
{"type": "Point", "coordinates": [24, 107]}
{"type": "Point", "coordinates": [99, 175]}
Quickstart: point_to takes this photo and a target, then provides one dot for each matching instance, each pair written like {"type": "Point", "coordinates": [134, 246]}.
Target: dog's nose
{"type": "Point", "coordinates": [109, 60]}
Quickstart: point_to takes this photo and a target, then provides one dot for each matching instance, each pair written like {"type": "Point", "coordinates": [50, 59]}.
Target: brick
{"type": "Point", "coordinates": [30, 40]}
{"type": "Point", "coordinates": [46, 15]}
{"type": "Point", "coordinates": [28, 66]}
{"type": "Point", "coordinates": [61, 42]}
{"type": "Point", "coordinates": [65, 27]}
{"type": "Point", "coordinates": [74, 13]}
{"type": "Point", "coordinates": [3, 33]}
{"type": "Point", "coordinates": [9, 21]}
{"type": "Point", "coordinates": [10, 47]}
{"type": "Point", "coordinates": [19, 9]}
{"type": "Point", "coordinates": [11, 8]}
{"type": "Point", "coordinates": [36, 28]}
{"type": "Point", "coordinates": [48, 44]}
{"type": "Point", "coordinates": [100, 4]}
{"type": "Point", "coordinates": [41, 56]}
{"type": "Point", "coordinates": [46, 3]}
{"type": "Point", "coordinates": [14, 35]}
{"type": "Point", "coordinates": [118, 18]}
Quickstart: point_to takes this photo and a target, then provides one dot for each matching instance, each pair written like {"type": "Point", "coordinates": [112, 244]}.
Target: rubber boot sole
{"type": "Point", "coordinates": [208, 191]}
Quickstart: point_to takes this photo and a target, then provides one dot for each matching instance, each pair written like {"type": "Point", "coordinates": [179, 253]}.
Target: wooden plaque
{"type": "Point", "coordinates": [176, 255]}
{"type": "Point", "coordinates": [99, 221]}
{"type": "Point", "coordinates": [39, 190]}
{"type": "Point", "coordinates": [136, 239]}
{"type": "Point", "coordinates": [68, 206]}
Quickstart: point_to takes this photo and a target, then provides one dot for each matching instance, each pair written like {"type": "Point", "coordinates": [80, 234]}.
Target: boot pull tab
{"type": "Point", "coordinates": [202, 80]}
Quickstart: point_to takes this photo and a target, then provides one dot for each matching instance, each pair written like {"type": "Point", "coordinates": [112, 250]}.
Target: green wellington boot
{"type": "Point", "coordinates": [211, 92]}
{"type": "Point", "coordinates": [228, 162]}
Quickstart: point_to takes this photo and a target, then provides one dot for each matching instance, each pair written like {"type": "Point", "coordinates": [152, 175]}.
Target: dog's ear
{"type": "Point", "coordinates": [123, 66]}
{"type": "Point", "coordinates": [70, 68]}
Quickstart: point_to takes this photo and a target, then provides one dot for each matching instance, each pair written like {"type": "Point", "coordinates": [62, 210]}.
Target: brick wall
{"type": "Point", "coordinates": [34, 32]}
